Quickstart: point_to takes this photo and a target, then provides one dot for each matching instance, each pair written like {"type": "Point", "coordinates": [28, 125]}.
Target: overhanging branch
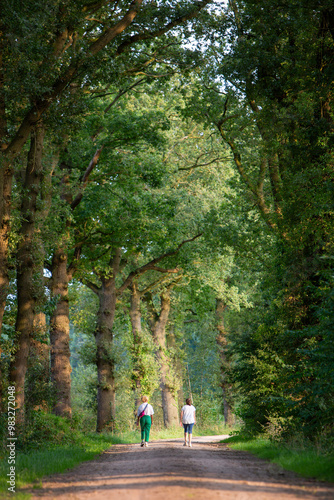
{"type": "Point", "coordinates": [152, 265]}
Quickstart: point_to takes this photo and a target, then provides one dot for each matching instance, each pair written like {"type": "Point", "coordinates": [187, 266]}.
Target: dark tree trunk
{"type": "Point", "coordinates": [107, 294]}
{"type": "Point", "coordinates": [60, 335]}
{"type": "Point", "coordinates": [224, 365]}
{"type": "Point", "coordinates": [135, 317]}
{"type": "Point", "coordinates": [38, 388]}
{"type": "Point", "coordinates": [178, 367]}
{"type": "Point", "coordinates": [5, 206]}
{"type": "Point", "coordinates": [27, 260]}
{"type": "Point", "coordinates": [5, 187]}
{"type": "Point", "coordinates": [42, 347]}
{"type": "Point", "coordinates": [104, 357]}
{"type": "Point", "coordinates": [38, 375]}
{"type": "Point", "coordinates": [62, 273]}
{"type": "Point", "coordinates": [159, 323]}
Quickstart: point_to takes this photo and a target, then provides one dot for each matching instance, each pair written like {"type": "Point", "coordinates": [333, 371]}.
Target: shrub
{"type": "Point", "coordinates": [47, 429]}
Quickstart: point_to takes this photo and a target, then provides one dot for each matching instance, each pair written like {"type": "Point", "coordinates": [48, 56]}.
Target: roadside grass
{"type": "Point", "coordinates": [32, 465]}
{"type": "Point", "coordinates": [304, 458]}
{"type": "Point", "coordinates": [214, 430]}
{"type": "Point", "coordinates": [177, 432]}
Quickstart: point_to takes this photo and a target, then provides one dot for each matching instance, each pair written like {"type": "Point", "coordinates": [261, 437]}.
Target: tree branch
{"type": "Point", "coordinates": [91, 166]}
{"type": "Point", "coordinates": [44, 102]}
{"type": "Point", "coordinates": [119, 27]}
{"type": "Point", "coordinates": [257, 190]}
{"type": "Point", "coordinates": [92, 286]}
{"type": "Point", "coordinates": [152, 285]}
{"type": "Point", "coordinates": [154, 34]}
{"type": "Point", "coordinates": [47, 98]}
{"type": "Point", "coordinates": [197, 165]}
{"type": "Point", "coordinates": [152, 265]}
{"type": "Point", "coordinates": [118, 96]}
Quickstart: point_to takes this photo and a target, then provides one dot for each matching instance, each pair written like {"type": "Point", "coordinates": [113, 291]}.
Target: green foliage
{"type": "Point", "coordinates": [313, 382]}
{"type": "Point", "coordinates": [257, 370]}
{"type": "Point", "coordinates": [84, 394]}
{"type": "Point", "coordinates": [208, 411]}
{"type": "Point", "coordinates": [286, 374]}
{"type": "Point", "coordinates": [39, 390]}
{"type": "Point", "coordinates": [45, 429]}
{"type": "Point", "coordinates": [144, 366]}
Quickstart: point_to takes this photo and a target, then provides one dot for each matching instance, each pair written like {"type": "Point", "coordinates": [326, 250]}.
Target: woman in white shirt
{"type": "Point", "coordinates": [145, 416]}
{"type": "Point", "coordinates": [188, 419]}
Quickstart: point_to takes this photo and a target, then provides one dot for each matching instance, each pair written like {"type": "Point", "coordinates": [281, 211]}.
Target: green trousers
{"type": "Point", "coordinates": [145, 425]}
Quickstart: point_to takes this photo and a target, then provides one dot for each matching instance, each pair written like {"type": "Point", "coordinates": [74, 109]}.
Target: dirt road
{"type": "Point", "coordinates": [168, 471]}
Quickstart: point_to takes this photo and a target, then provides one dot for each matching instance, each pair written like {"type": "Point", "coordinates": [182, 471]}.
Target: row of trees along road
{"type": "Point", "coordinates": [172, 162]}
{"type": "Point", "coordinates": [52, 54]}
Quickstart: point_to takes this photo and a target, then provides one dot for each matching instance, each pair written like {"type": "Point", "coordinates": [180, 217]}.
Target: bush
{"type": "Point", "coordinates": [47, 429]}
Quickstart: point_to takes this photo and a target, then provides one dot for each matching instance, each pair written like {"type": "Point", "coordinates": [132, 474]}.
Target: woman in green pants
{"type": "Point", "coordinates": [145, 416]}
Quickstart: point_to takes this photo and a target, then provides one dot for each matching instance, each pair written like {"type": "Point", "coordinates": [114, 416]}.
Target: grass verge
{"type": "Point", "coordinates": [32, 465]}
{"type": "Point", "coordinates": [305, 459]}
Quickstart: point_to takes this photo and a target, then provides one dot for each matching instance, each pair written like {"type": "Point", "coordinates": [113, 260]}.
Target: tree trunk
{"type": "Point", "coordinates": [135, 317]}
{"type": "Point", "coordinates": [38, 375]}
{"type": "Point", "coordinates": [107, 294]}
{"type": "Point", "coordinates": [26, 267]}
{"type": "Point", "coordinates": [43, 348]}
{"type": "Point", "coordinates": [6, 175]}
{"type": "Point", "coordinates": [60, 335]}
{"type": "Point", "coordinates": [104, 356]}
{"type": "Point", "coordinates": [169, 403]}
{"type": "Point", "coordinates": [179, 370]}
{"type": "Point", "coordinates": [224, 365]}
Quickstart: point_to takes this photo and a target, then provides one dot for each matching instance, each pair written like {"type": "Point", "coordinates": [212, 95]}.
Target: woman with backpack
{"type": "Point", "coordinates": [145, 414]}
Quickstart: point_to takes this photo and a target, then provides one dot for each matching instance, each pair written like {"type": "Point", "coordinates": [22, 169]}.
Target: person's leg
{"type": "Point", "coordinates": [142, 431]}
{"type": "Point", "coordinates": [190, 434]}
{"type": "Point", "coordinates": [147, 429]}
{"type": "Point", "coordinates": [185, 427]}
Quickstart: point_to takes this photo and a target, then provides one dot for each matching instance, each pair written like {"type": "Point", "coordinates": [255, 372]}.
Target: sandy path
{"type": "Point", "coordinates": [168, 471]}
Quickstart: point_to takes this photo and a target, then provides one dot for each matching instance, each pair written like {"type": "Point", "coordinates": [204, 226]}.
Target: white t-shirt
{"type": "Point", "coordinates": [188, 414]}
{"type": "Point", "coordinates": [148, 411]}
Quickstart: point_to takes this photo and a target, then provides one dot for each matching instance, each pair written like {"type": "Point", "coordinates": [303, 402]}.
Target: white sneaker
{"type": "Point", "coordinates": [146, 444]}
{"type": "Point", "coordinates": [190, 445]}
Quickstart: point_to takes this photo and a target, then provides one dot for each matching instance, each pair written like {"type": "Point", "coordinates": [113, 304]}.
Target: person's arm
{"type": "Point", "coordinates": [181, 417]}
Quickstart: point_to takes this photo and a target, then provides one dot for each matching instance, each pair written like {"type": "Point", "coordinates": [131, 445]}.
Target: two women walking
{"type": "Point", "coordinates": [145, 414]}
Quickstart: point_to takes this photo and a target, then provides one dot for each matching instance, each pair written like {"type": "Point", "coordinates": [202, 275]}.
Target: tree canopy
{"type": "Point", "coordinates": [167, 210]}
